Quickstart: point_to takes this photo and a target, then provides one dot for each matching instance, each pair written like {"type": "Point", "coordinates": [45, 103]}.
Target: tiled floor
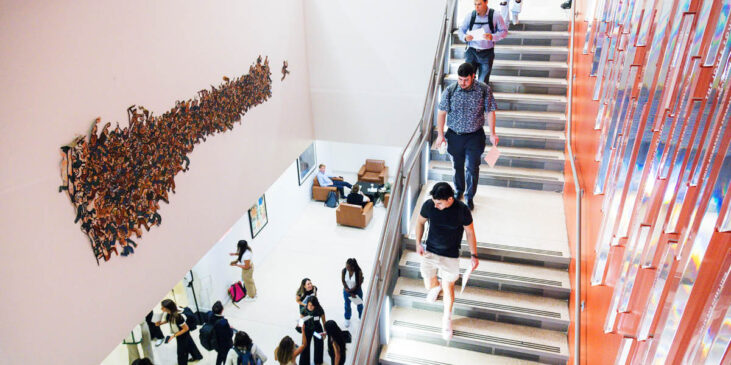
{"type": "Point", "coordinates": [315, 247]}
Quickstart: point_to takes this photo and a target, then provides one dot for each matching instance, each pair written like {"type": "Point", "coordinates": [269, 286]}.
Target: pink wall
{"type": "Point", "coordinates": [62, 65]}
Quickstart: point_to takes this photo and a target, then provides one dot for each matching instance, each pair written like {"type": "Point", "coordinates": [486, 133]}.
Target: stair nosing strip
{"type": "Point", "coordinates": [489, 305]}
{"type": "Point", "coordinates": [497, 275]}
{"type": "Point", "coordinates": [482, 337]}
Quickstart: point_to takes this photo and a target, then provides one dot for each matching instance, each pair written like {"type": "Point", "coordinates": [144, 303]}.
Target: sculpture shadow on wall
{"type": "Point", "coordinates": [116, 178]}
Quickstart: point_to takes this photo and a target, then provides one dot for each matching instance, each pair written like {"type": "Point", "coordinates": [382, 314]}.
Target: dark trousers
{"type": "Point", "coordinates": [305, 355]}
{"type": "Point", "coordinates": [348, 310]}
{"type": "Point", "coordinates": [186, 347]}
{"type": "Point", "coordinates": [469, 148]}
{"type": "Point", "coordinates": [482, 61]}
{"type": "Point", "coordinates": [221, 357]}
{"type": "Point", "coordinates": [340, 184]}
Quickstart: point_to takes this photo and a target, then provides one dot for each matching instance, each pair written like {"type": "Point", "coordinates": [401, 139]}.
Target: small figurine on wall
{"type": "Point", "coordinates": [285, 72]}
{"type": "Point", "coordinates": [116, 178]}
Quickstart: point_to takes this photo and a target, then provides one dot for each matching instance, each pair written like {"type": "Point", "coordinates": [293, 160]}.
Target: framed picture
{"type": "Point", "coordinates": [258, 217]}
{"type": "Point", "coordinates": [306, 163]}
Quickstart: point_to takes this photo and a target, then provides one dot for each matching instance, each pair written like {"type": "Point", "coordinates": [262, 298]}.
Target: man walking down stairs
{"type": "Point", "coordinates": [514, 308]}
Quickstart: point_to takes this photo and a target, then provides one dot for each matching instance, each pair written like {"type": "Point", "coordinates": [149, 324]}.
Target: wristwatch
{"type": "Point", "coordinates": [475, 256]}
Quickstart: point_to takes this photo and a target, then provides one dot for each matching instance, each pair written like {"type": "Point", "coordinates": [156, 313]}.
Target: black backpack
{"type": "Point", "coordinates": [489, 20]}
{"type": "Point", "coordinates": [332, 200]}
{"type": "Point", "coordinates": [190, 319]}
{"type": "Point", "coordinates": [207, 335]}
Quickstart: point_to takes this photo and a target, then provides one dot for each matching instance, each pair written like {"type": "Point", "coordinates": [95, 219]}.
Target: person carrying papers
{"type": "Point", "coordinates": [480, 30]}
{"type": "Point", "coordinates": [448, 220]}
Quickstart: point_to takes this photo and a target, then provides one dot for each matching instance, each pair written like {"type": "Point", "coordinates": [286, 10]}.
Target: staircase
{"type": "Point", "coordinates": [514, 309]}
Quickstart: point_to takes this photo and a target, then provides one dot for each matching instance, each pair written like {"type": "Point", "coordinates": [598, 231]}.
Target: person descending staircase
{"type": "Point", "coordinates": [514, 308]}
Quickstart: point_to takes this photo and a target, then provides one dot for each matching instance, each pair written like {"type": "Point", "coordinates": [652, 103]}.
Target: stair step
{"type": "Point", "coordinates": [459, 49]}
{"type": "Point", "coordinates": [525, 115]}
{"type": "Point", "coordinates": [554, 82]}
{"type": "Point", "coordinates": [528, 34]}
{"type": "Point", "coordinates": [513, 177]}
{"type": "Point", "coordinates": [529, 98]}
{"type": "Point", "coordinates": [512, 225]}
{"type": "Point", "coordinates": [519, 278]}
{"type": "Point", "coordinates": [516, 157]}
{"type": "Point", "coordinates": [522, 342]}
{"type": "Point", "coordinates": [523, 309]}
{"type": "Point", "coordinates": [401, 351]}
{"type": "Point", "coordinates": [528, 138]}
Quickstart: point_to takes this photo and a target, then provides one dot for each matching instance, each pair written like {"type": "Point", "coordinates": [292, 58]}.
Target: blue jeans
{"type": "Point", "coordinates": [469, 148]}
{"type": "Point", "coordinates": [482, 61]}
{"type": "Point", "coordinates": [346, 296]}
{"type": "Point", "coordinates": [340, 184]}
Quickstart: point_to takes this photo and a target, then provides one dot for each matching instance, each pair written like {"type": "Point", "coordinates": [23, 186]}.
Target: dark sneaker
{"type": "Point", "coordinates": [470, 204]}
{"type": "Point", "coordinates": [566, 5]}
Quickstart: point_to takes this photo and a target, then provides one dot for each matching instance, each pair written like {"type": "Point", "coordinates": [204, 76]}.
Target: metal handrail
{"type": "Point", "coordinates": [579, 193]}
{"type": "Point", "coordinates": [386, 251]}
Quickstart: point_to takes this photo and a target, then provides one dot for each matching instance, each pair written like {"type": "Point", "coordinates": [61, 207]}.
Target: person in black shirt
{"type": "Point", "coordinates": [448, 220]}
{"type": "Point", "coordinates": [335, 343]}
{"type": "Point", "coordinates": [223, 332]}
{"type": "Point", "coordinates": [356, 198]}
{"type": "Point", "coordinates": [181, 332]}
{"type": "Point", "coordinates": [314, 321]}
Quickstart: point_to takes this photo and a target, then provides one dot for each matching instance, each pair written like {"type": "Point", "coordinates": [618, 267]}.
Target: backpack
{"type": "Point", "coordinates": [190, 319]}
{"type": "Point", "coordinates": [245, 358]}
{"type": "Point", "coordinates": [237, 291]}
{"type": "Point", "coordinates": [490, 24]}
{"type": "Point", "coordinates": [207, 335]}
{"type": "Point", "coordinates": [332, 200]}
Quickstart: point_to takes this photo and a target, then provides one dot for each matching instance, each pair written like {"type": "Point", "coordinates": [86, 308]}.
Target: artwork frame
{"type": "Point", "coordinates": [306, 162]}
{"type": "Point", "coordinates": [258, 216]}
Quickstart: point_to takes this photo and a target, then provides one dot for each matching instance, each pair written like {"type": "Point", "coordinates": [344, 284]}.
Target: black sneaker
{"type": "Point", "coordinates": [566, 5]}
{"type": "Point", "coordinates": [470, 204]}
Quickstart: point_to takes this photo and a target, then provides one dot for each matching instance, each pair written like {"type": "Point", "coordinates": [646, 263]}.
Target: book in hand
{"type": "Point", "coordinates": [356, 300]}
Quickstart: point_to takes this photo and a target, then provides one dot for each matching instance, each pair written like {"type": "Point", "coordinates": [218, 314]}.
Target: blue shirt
{"type": "Point", "coordinates": [501, 30]}
{"type": "Point", "coordinates": [466, 108]}
{"type": "Point", "coordinates": [323, 179]}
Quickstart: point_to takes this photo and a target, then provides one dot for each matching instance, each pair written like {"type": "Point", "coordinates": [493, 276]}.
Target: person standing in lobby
{"type": "Point", "coordinates": [481, 52]}
{"type": "Point", "coordinates": [352, 278]}
{"type": "Point", "coordinates": [463, 107]}
{"type": "Point", "coordinates": [247, 268]}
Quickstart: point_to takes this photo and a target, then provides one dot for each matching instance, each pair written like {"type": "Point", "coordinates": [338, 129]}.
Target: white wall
{"type": "Point", "coordinates": [369, 67]}
{"type": "Point", "coordinates": [347, 158]}
{"type": "Point", "coordinates": [285, 202]}
{"type": "Point", "coordinates": [62, 64]}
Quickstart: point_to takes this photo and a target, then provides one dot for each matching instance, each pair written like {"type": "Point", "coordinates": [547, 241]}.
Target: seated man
{"type": "Point", "coordinates": [326, 180]}
{"type": "Point", "coordinates": [356, 198]}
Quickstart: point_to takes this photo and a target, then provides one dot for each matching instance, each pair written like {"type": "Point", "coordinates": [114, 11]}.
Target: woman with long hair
{"type": "Point", "coordinates": [335, 343]}
{"type": "Point", "coordinates": [180, 332]}
{"type": "Point", "coordinates": [312, 326]}
{"type": "Point", "coordinates": [305, 290]}
{"type": "Point", "coordinates": [352, 279]}
{"type": "Point", "coordinates": [243, 251]}
{"type": "Point", "coordinates": [287, 351]}
{"type": "Point", "coordinates": [246, 350]}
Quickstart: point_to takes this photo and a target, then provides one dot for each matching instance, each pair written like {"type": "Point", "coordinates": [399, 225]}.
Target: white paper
{"type": "Point", "coordinates": [477, 34]}
{"type": "Point", "coordinates": [156, 317]}
{"type": "Point", "coordinates": [356, 300]}
{"type": "Point", "coordinates": [492, 156]}
{"type": "Point", "coordinates": [465, 277]}
{"type": "Point", "coordinates": [318, 335]}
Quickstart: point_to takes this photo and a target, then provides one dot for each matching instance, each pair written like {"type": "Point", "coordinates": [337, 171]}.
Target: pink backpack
{"type": "Point", "coordinates": [237, 292]}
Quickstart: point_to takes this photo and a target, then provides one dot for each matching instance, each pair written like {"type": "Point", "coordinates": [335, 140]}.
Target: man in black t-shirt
{"type": "Point", "coordinates": [448, 220]}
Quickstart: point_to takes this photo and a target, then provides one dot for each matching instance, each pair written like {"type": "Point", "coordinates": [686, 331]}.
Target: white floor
{"type": "Point", "coordinates": [315, 247]}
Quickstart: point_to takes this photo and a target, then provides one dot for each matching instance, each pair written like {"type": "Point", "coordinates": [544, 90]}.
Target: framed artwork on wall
{"type": "Point", "coordinates": [306, 163]}
{"type": "Point", "coordinates": [258, 217]}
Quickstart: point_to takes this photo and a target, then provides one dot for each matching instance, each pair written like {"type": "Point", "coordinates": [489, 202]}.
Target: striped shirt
{"type": "Point", "coordinates": [466, 108]}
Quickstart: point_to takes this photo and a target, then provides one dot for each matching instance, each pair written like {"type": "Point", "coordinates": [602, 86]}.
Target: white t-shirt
{"type": "Point", "coordinates": [245, 256]}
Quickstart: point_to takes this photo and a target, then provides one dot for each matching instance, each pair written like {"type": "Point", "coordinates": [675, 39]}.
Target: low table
{"type": "Point", "coordinates": [371, 190]}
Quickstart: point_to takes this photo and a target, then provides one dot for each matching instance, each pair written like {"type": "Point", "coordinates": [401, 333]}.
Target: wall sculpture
{"type": "Point", "coordinates": [116, 177]}
{"type": "Point", "coordinates": [663, 84]}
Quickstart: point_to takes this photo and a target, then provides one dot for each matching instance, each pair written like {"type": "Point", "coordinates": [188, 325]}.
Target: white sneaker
{"type": "Point", "coordinates": [159, 342]}
{"type": "Point", "coordinates": [347, 323]}
{"type": "Point", "coordinates": [447, 330]}
{"type": "Point", "coordinates": [433, 293]}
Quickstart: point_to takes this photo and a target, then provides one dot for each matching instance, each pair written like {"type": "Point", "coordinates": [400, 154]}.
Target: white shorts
{"type": "Point", "coordinates": [448, 267]}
